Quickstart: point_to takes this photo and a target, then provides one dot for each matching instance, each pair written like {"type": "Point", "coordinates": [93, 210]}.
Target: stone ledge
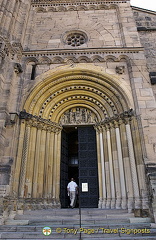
{"type": "Point", "coordinates": [17, 222]}
{"type": "Point", "coordinates": [140, 220]}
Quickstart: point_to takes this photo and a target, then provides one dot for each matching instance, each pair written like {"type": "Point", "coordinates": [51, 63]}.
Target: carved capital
{"type": "Point", "coordinates": [40, 123]}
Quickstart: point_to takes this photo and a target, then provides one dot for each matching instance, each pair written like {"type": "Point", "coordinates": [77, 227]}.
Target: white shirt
{"type": "Point", "coordinates": [72, 186]}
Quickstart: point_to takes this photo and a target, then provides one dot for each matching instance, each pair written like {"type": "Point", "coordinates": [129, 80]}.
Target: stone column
{"type": "Point", "coordinates": [121, 167]}
{"type": "Point", "coordinates": [103, 170]}
{"type": "Point", "coordinates": [142, 178]}
{"type": "Point", "coordinates": [127, 167]}
{"type": "Point", "coordinates": [41, 163]}
{"type": "Point", "coordinates": [30, 162]}
{"type": "Point", "coordinates": [36, 162]}
{"type": "Point", "coordinates": [133, 167]}
{"type": "Point", "coordinates": [99, 167]}
{"type": "Point", "coordinates": [19, 159]}
{"type": "Point", "coordinates": [50, 182]}
{"type": "Point", "coordinates": [116, 166]}
{"type": "Point", "coordinates": [111, 167]}
{"type": "Point", "coordinates": [107, 173]}
{"type": "Point", "coordinates": [55, 166]}
{"type": "Point", "coordinates": [58, 162]}
{"type": "Point", "coordinates": [47, 165]}
{"type": "Point", "coordinates": [24, 161]}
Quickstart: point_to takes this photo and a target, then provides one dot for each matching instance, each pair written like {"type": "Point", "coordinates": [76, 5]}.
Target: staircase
{"type": "Point", "coordinates": [96, 224]}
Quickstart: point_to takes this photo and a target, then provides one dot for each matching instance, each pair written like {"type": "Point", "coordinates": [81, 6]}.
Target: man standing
{"type": "Point", "coordinates": [72, 189]}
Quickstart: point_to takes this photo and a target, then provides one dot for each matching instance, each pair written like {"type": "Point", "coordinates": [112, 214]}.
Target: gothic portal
{"type": "Point", "coordinates": [77, 87]}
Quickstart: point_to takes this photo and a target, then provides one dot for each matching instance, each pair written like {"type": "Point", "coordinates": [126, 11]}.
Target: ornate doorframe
{"type": "Point", "coordinates": [118, 145]}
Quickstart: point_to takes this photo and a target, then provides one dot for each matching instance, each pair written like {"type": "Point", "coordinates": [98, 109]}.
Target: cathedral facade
{"type": "Point", "coordinates": [78, 99]}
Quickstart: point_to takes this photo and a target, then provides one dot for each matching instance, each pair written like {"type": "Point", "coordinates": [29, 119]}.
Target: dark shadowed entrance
{"type": "Point", "coordinates": [79, 160]}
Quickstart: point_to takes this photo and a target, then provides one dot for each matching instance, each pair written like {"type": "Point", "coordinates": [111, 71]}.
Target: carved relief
{"type": "Point", "coordinates": [40, 123]}
{"type": "Point", "coordinates": [120, 69]}
{"type": "Point", "coordinates": [18, 68]}
{"type": "Point", "coordinates": [124, 117]}
{"type": "Point", "coordinates": [78, 116]}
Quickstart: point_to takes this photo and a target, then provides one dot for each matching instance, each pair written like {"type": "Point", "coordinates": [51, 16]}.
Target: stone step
{"type": "Point", "coordinates": [54, 235]}
{"type": "Point", "coordinates": [30, 224]}
{"type": "Point", "coordinates": [98, 238]}
{"type": "Point", "coordinates": [38, 228]}
{"type": "Point", "coordinates": [74, 216]}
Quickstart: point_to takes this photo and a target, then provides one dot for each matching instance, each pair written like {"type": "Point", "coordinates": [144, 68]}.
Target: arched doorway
{"type": "Point", "coordinates": [60, 98]}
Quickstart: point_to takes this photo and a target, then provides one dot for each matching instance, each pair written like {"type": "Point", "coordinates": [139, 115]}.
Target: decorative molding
{"type": "Point", "coordinates": [71, 3]}
{"type": "Point", "coordinates": [105, 97]}
{"type": "Point", "coordinates": [116, 120]}
{"type": "Point", "coordinates": [35, 121]}
{"type": "Point", "coordinates": [79, 55]}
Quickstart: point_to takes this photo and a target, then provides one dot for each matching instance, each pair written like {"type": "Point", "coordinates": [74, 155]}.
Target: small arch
{"type": "Point", "coordinates": [44, 60]}
{"type": "Point", "coordinates": [97, 58]}
{"type": "Point", "coordinates": [71, 8]}
{"type": "Point", "coordinates": [111, 58]}
{"type": "Point", "coordinates": [102, 6]}
{"type": "Point", "coordinates": [57, 60]}
{"type": "Point", "coordinates": [70, 59]}
{"type": "Point", "coordinates": [83, 59]}
{"type": "Point", "coordinates": [51, 9]}
{"type": "Point", "coordinates": [81, 8]}
{"type": "Point", "coordinates": [40, 10]}
{"type": "Point", "coordinates": [92, 7]}
{"type": "Point", "coordinates": [61, 9]}
{"type": "Point", "coordinates": [123, 57]}
{"type": "Point", "coordinates": [31, 60]}
{"type": "Point", "coordinates": [113, 6]}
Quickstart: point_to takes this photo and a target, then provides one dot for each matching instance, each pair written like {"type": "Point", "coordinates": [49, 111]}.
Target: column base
{"type": "Point", "coordinates": [100, 203]}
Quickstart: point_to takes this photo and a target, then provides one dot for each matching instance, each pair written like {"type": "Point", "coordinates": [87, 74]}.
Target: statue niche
{"type": "Point", "coordinates": [78, 116]}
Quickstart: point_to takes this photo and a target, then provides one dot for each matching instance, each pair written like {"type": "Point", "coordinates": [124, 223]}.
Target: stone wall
{"type": "Point", "coordinates": [146, 25]}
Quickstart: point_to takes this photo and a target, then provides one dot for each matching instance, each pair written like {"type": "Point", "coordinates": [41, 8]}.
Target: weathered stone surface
{"type": "Point", "coordinates": [56, 57]}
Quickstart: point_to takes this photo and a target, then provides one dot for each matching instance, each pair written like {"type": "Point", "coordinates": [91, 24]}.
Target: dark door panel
{"type": "Point", "coordinates": [64, 170]}
{"type": "Point", "coordinates": [88, 171]}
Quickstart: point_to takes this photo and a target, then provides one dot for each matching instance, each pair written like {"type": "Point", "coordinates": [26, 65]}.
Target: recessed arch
{"type": "Point", "coordinates": [75, 96]}
{"type": "Point", "coordinates": [53, 87]}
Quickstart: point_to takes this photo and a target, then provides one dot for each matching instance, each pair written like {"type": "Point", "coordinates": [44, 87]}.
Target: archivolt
{"type": "Point", "coordinates": [84, 86]}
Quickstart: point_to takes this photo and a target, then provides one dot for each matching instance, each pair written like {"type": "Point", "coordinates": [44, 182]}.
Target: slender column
{"type": "Point", "coordinates": [51, 164]}
{"type": "Point", "coordinates": [139, 163]}
{"type": "Point", "coordinates": [55, 167]}
{"type": "Point", "coordinates": [121, 168]}
{"type": "Point", "coordinates": [19, 159]}
{"type": "Point", "coordinates": [111, 168]}
{"type": "Point", "coordinates": [30, 165]}
{"type": "Point", "coordinates": [103, 170]}
{"type": "Point", "coordinates": [133, 167]}
{"type": "Point", "coordinates": [107, 173]}
{"type": "Point", "coordinates": [36, 163]}
{"type": "Point", "coordinates": [116, 167]}
{"type": "Point", "coordinates": [127, 167]}
{"type": "Point", "coordinates": [24, 161]}
{"type": "Point", "coordinates": [58, 161]}
{"type": "Point", "coordinates": [47, 166]}
{"type": "Point", "coordinates": [99, 168]}
{"type": "Point", "coordinates": [41, 163]}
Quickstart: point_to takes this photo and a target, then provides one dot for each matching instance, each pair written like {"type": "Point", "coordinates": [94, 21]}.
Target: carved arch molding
{"type": "Point", "coordinates": [72, 97]}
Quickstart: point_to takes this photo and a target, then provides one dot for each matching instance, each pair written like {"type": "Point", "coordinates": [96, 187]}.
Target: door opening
{"type": "Point", "coordinates": [79, 160]}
